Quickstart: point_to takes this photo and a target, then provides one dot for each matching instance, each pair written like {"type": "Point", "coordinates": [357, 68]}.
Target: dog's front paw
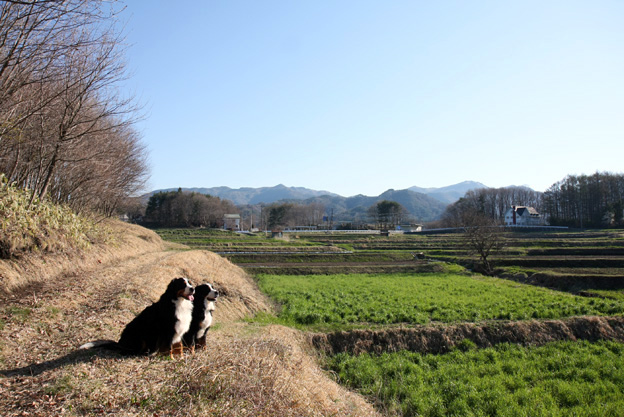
{"type": "Point", "coordinates": [177, 349]}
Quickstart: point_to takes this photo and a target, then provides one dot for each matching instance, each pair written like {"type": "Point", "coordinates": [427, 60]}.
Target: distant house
{"type": "Point", "coordinates": [523, 216]}
{"type": "Point", "coordinates": [410, 227]}
{"type": "Point", "coordinates": [231, 222]}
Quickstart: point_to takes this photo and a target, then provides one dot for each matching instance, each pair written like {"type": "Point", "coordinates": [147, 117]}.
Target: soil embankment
{"type": "Point", "coordinates": [51, 305]}
{"type": "Point", "coordinates": [441, 339]}
{"type": "Point", "coordinates": [569, 282]}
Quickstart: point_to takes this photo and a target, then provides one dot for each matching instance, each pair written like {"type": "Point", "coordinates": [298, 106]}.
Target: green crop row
{"type": "Point", "coordinates": [221, 238]}
{"type": "Point", "coordinates": [558, 379]}
{"type": "Point", "coordinates": [335, 257]}
{"type": "Point", "coordinates": [358, 300]}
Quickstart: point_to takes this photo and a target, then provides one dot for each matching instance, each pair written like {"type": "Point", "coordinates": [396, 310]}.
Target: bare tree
{"type": "Point", "coordinates": [485, 237]}
{"type": "Point", "coordinates": [66, 131]}
{"type": "Point", "coordinates": [86, 111]}
{"type": "Point", "coordinates": [587, 200]}
{"type": "Point", "coordinates": [33, 41]}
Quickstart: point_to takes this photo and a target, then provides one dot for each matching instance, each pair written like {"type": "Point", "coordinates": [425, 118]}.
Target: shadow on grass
{"type": "Point", "coordinates": [72, 358]}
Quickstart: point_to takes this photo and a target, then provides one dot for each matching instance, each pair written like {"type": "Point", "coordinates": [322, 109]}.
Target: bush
{"type": "Point", "coordinates": [28, 224]}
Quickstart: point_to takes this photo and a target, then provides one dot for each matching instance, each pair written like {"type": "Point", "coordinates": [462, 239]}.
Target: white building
{"type": "Point", "coordinates": [410, 227]}
{"type": "Point", "coordinates": [523, 216]}
{"type": "Point", "coordinates": [231, 222]}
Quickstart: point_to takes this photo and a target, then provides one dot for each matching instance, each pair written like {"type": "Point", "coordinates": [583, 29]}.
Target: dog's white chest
{"type": "Point", "coordinates": [207, 322]}
{"type": "Point", "coordinates": [183, 311]}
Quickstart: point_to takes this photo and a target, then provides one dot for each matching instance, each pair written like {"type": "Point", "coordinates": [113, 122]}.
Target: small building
{"type": "Point", "coordinates": [523, 216]}
{"type": "Point", "coordinates": [232, 222]}
{"type": "Point", "coordinates": [410, 227]}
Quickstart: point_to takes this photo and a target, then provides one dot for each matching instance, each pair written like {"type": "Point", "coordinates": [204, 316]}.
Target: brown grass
{"type": "Point", "coordinates": [52, 304]}
{"type": "Point", "coordinates": [127, 241]}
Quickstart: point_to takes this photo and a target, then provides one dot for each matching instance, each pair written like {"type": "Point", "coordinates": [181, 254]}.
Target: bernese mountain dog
{"type": "Point", "coordinates": [160, 327]}
{"type": "Point", "coordinates": [203, 306]}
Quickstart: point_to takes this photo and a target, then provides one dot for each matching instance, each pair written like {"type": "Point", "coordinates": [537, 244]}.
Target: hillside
{"type": "Point", "coordinates": [267, 195]}
{"type": "Point", "coordinates": [53, 304]}
{"type": "Point", "coordinates": [450, 193]}
{"type": "Point", "coordinates": [249, 195]}
{"type": "Point", "coordinates": [346, 209]}
{"type": "Point", "coordinates": [423, 204]}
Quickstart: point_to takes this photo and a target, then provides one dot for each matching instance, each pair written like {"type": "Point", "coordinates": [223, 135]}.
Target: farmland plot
{"type": "Point", "coordinates": [348, 301]}
{"type": "Point", "coordinates": [570, 378]}
{"type": "Point", "coordinates": [559, 379]}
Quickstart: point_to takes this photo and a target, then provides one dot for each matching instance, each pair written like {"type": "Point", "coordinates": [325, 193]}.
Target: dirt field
{"type": "Point", "coordinates": [50, 306]}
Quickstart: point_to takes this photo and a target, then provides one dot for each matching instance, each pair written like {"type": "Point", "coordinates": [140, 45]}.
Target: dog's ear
{"type": "Point", "coordinates": [173, 283]}
{"type": "Point", "coordinates": [177, 283]}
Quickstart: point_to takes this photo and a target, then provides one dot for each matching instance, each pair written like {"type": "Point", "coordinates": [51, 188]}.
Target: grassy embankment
{"type": "Point", "coordinates": [29, 225]}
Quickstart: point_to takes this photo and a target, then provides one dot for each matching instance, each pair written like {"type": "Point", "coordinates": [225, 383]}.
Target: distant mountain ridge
{"type": "Point", "coordinates": [268, 195]}
{"type": "Point", "coordinates": [249, 195]}
{"type": "Point", "coordinates": [424, 204]}
{"type": "Point", "coordinates": [355, 209]}
{"type": "Point", "coordinates": [450, 193]}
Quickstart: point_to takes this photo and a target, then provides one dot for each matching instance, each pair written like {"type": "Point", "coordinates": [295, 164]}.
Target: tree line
{"type": "Point", "coordinates": [387, 214]}
{"type": "Point", "coordinates": [183, 209]}
{"type": "Point", "coordinates": [492, 203]}
{"type": "Point", "coordinates": [586, 200]}
{"type": "Point", "coordinates": [66, 128]}
{"type": "Point", "coordinates": [289, 215]}
{"type": "Point", "coordinates": [595, 200]}
{"type": "Point", "coordinates": [577, 201]}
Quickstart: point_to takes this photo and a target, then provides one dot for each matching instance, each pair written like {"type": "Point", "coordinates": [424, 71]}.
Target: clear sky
{"type": "Point", "coordinates": [357, 97]}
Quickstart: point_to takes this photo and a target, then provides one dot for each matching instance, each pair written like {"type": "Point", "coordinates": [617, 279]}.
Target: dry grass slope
{"type": "Point", "coordinates": [127, 241]}
{"type": "Point", "coordinates": [52, 304]}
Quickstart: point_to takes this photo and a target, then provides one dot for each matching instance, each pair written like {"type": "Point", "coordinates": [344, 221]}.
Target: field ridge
{"type": "Point", "coordinates": [444, 338]}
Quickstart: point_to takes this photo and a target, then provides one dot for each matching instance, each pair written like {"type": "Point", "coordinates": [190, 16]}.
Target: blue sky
{"type": "Point", "coordinates": [357, 97]}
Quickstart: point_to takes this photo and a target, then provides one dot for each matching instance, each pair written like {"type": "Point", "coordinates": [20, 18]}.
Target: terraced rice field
{"type": "Point", "coordinates": [571, 260]}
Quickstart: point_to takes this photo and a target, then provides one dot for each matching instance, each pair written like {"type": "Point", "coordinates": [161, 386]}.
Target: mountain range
{"type": "Point", "coordinates": [424, 204]}
{"type": "Point", "coordinates": [248, 195]}
{"type": "Point", "coordinates": [450, 193]}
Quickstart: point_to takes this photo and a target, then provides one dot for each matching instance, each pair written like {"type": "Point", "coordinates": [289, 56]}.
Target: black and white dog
{"type": "Point", "coordinates": [203, 306]}
{"type": "Point", "coordinates": [158, 328]}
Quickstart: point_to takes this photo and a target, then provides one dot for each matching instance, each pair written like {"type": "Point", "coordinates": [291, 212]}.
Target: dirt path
{"type": "Point", "coordinates": [247, 370]}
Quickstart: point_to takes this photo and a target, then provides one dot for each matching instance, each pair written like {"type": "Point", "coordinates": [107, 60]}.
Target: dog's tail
{"type": "Point", "coordinates": [109, 345]}
{"type": "Point", "coordinates": [102, 344]}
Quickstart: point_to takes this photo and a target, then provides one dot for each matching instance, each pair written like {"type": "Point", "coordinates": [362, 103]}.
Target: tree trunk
{"type": "Point", "coordinates": [51, 169]}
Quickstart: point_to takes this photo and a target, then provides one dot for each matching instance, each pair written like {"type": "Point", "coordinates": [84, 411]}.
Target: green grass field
{"type": "Point", "coordinates": [559, 379]}
{"type": "Point", "coordinates": [347, 301]}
